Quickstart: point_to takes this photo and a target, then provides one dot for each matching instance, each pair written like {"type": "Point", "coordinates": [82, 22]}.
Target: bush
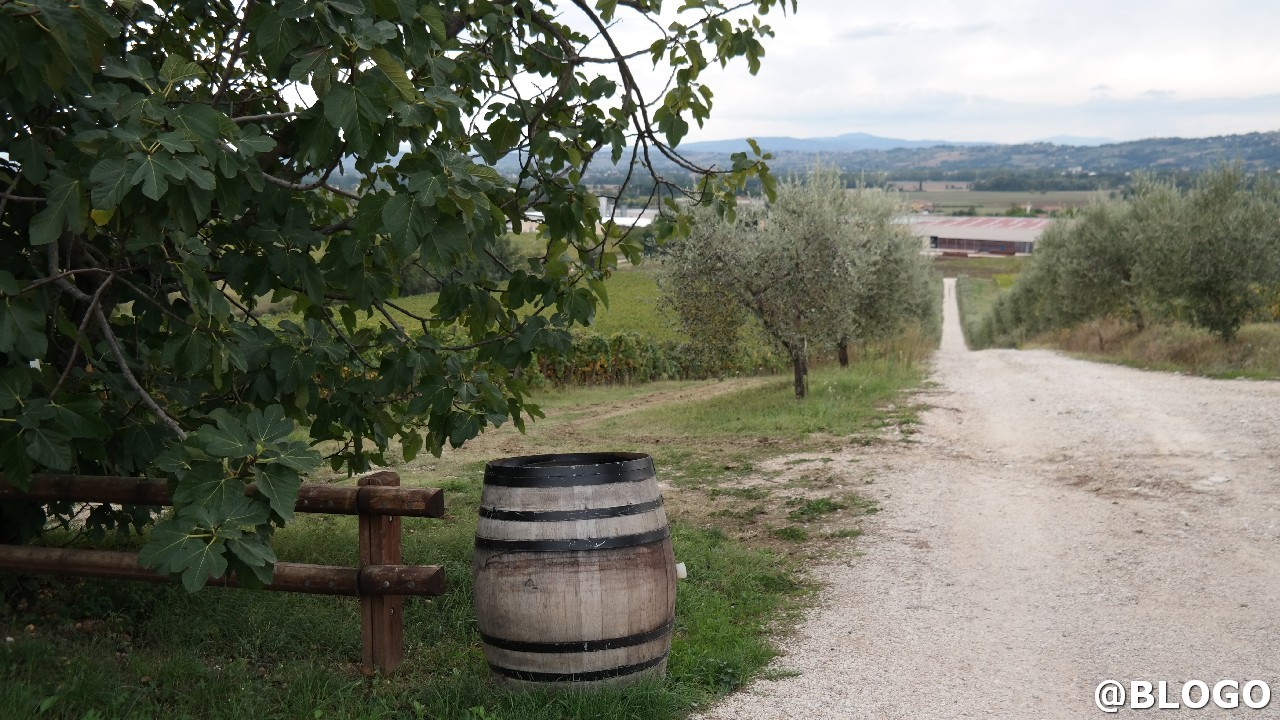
{"type": "Point", "coordinates": [1208, 257]}
{"type": "Point", "coordinates": [629, 357]}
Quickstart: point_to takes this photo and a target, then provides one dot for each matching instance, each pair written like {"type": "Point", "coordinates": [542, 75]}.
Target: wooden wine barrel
{"type": "Point", "coordinates": [575, 579]}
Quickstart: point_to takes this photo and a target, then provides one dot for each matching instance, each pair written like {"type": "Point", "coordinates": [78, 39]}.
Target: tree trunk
{"type": "Point", "coordinates": [1137, 315]}
{"type": "Point", "coordinates": [800, 365]}
{"type": "Point", "coordinates": [842, 352]}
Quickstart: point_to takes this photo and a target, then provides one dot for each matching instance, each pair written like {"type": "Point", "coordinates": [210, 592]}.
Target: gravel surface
{"type": "Point", "coordinates": [1056, 524]}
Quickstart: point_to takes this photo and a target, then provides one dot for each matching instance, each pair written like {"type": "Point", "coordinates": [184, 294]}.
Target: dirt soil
{"type": "Point", "coordinates": [1055, 523]}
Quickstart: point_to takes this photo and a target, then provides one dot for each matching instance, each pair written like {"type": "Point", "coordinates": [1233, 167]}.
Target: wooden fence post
{"type": "Point", "coordinates": [381, 616]}
{"type": "Point", "coordinates": [380, 581]}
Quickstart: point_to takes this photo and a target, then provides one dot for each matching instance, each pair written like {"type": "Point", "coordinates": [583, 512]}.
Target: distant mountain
{"type": "Point", "coordinates": [1076, 140]}
{"type": "Point", "coordinates": [849, 142]}
{"type": "Point", "coordinates": [1256, 151]}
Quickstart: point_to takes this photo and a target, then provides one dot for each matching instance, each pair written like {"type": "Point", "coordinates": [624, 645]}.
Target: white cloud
{"type": "Point", "coordinates": [989, 70]}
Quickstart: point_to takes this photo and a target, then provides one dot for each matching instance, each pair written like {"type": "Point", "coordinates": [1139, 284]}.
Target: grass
{"type": "Point", "coordinates": [842, 402]}
{"type": "Point", "coordinates": [989, 202]}
{"type": "Point", "coordinates": [813, 509]}
{"type": "Point", "coordinates": [159, 652]}
{"type": "Point", "coordinates": [980, 267]}
{"type": "Point", "coordinates": [633, 306]}
{"type": "Point", "coordinates": [1254, 354]}
{"type": "Point", "coordinates": [975, 298]}
{"type": "Point", "coordinates": [633, 298]}
{"type": "Point", "coordinates": [791, 533]}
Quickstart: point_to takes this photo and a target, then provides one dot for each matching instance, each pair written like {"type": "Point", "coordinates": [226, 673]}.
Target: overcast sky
{"type": "Point", "coordinates": [1001, 71]}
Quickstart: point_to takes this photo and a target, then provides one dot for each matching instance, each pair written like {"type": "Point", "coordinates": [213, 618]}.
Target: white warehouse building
{"type": "Point", "coordinates": [978, 235]}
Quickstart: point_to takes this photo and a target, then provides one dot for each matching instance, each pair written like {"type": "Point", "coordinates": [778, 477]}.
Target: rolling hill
{"type": "Point", "coordinates": [856, 151]}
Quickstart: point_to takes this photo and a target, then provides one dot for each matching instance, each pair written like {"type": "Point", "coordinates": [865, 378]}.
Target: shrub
{"type": "Point", "coordinates": [629, 357]}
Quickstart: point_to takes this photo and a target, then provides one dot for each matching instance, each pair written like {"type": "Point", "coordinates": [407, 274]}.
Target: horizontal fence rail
{"type": "Point", "coordinates": [287, 577]}
{"type": "Point", "coordinates": [312, 497]}
{"type": "Point", "coordinates": [381, 581]}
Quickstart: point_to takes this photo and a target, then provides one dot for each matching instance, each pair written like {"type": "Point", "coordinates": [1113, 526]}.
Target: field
{"type": "Point", "coordinates": [997, 203]}
{"type": "Point", "coordinates": [979, 267]}
{"type": "Point", "coordinates": [633, 306]}
{"type": "Point", "coordinates": [633, 296]}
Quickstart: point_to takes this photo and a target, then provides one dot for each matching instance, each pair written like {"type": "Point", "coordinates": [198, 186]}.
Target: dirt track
{"type": "Point", "coordinates": [1057, 523]}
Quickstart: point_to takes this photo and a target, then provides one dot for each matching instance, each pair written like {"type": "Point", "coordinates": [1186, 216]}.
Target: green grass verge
{"type": "Point", "coordinates": [980, 267]}
{"type": "Point", "coordinates": [155, 651]}
{"type": "Point", "coordinates": [841, 402]}
{"type": "Point", "coordinates": [1164, 346]}
{"type": "Point", "coordinates": [975, 298]}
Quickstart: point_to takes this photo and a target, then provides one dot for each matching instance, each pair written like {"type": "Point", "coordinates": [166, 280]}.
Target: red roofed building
{"type": "Point", "coordinates": [990, 235]}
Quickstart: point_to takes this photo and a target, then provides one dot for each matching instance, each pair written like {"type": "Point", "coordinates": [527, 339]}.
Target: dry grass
{"type": "Point", "coordinates": [1174, 347]}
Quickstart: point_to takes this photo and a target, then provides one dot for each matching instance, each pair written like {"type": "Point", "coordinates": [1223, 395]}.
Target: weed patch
{"type": "Point", "coordinates": [790, 533]}
{"type": "Point", "coordinates": [811, 510]}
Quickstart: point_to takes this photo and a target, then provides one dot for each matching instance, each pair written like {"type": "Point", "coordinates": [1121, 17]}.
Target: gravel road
{"type": "Point", "coordinates": [1058, 523]}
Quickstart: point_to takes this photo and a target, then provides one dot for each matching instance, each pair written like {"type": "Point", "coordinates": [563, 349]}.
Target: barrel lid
{"type": "Point", "coordinates": [569, 469]}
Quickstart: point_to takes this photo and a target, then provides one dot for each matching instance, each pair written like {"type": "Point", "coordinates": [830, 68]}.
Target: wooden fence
{"type": "Point", "coordinates": [381, 581]}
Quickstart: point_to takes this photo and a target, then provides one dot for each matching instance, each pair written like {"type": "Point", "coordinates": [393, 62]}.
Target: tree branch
{"type": "Point", "coordinates": [328, 318]}
{"type": "Point", "coordinates": [95, 310]}
{"type": "Point", "coordinates": [340, 226]}
{"type": "Point", "coordinates": [382, 308]}
{"type": "Point", "coordinates": [60, 276]}
{"type": "Point", "coordinates": [264, 116]}
{"type": "Point", "coordinates": [247, 312]}
{"type": "Point", "coordinates": [150, 299]}
{"type": "Point", "coordinates": [94, 304]}
{"type": "Point", "coordinates": [110, 336]}
{"type": "Point", "coordinates": [234, 52]}
{"type": "Point", "coordinates": [298, 187]}
{"type": "Point", "coordinates": [9, 197]}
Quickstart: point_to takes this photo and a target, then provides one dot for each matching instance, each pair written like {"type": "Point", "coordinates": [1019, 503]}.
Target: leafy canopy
{"type": "Point", "coordinates": [164, 170]}
{"type": "Point", "coordinates": [821, 264]}
{"type": "Point", "coordinates": [1208, 256]}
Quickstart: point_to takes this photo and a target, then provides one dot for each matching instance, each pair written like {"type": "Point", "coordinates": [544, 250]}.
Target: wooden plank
{"type": "Point", "coordinates": [402, 580]}
{"type": "Point", "coordinates": [98, 489]}
{"type": "Point", "coordinates": [405, 502]}
{"type": "Point", "coordinates": [331, 499]}
{"type": "Point", "coordinates": [288, 577]}
{"type": "Point", "coordinates": [291, 577]}
{"type": "Point", "coordinates": [76, 563]}
{"type": "Point", "coordinates": [381, 616]}
{"type": "Point", "coordinates": [312, 497]}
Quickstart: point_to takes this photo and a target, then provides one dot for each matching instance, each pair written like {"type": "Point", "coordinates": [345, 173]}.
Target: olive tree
{"type": "Point", "coordinates": [894, 282]}
{"type": "Point", "coordinates": [818, 265]}
{"type": "Point", "coordinates": [1209, 256]}
{"type": "Point", "coordinates": [1212, 253]}
{"type": "Point", "coordinates": [163, 169]}
{"type": "Point", "coordinates": [1097, 259]}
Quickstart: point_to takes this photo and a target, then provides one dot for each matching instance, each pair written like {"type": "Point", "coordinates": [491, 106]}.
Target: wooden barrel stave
{"type": "Point", "coordinates": [552, 612]}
